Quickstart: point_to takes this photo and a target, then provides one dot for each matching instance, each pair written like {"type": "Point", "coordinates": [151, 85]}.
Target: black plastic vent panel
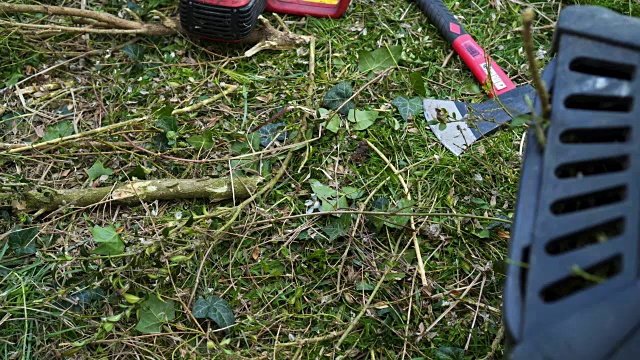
{"type": "Point", "coordinates": [572, 289]}
{"type": "Point", "coordinates": [220, 22]}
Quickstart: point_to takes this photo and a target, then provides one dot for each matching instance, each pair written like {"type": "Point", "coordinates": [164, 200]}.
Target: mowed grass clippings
{"type": "Point", "coordinates": [176, 279]}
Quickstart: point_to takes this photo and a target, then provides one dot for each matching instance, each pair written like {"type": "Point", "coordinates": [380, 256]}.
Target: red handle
{"type": "Point", "coordinates": [470, 52]}
{"type": "Point", "coordinates": [482, 65]}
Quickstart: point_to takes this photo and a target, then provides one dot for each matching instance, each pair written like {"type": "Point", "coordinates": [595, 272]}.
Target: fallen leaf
{"type": "Point", "coordinates": [379, 59]}
{"type": "Point", "coordinates": [255, 253]}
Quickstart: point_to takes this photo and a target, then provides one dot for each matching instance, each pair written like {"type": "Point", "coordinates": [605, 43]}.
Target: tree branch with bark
{"type": "Point", "coordinates": [266, 37]}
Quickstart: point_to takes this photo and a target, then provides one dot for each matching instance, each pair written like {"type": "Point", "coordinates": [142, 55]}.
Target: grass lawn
{"type": "Point", "coordinates": [263, 278]}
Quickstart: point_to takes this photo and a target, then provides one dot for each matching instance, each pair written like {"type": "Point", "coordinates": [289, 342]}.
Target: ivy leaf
{"type": "Point", "coordinates": [322, 191]}
{"type": "Point", "coordinates": [400, 221]}
{"type": "Point", "coordinates": [139, 172]}
{"type": "Point", "coordinates": [337, 226]}
{"type": "Point", "coordinates": [153, 313]}
{"type": "Point", "coordinates": [337, 95]}
{"type": "Point", "coordinates": [204, 141]}
{"type": "Point", "coordinates": [271, 132]}
{"type": "Point", "coordinates": [109, 240]}
{"type": "Point", "coordinates": [352, 192]}
{"type": "Point", "coordinates": [161, 142]}
{"type": "Point", "coordinates": [331, 204]}
{"type": "Point", "coordinates": [167, 123]}
{"type": "Point", "coordinates": [449, 353]}
{"type": "Point", "coordinates": [23, 241]}
{"type": "Point", "coordinates": [61, 129]}
{"type": "Point", "coordinates": [332, 125]}
{"type": "Point", "coordinates": [362, 118]}
{"type": "Point", "coordinates": [483, 234]}
{"type": "Point", "coordinates": [97, 170]}
{"type": "Point", "coordinates": [214, 308]}
{"type": "Point", "coordinates": [379, 59]}
{"type": "Point", "coordinates": [417, 83]}
{"type": "Point", "coordinates": [407, 108]}
{"type": "Point", "coordinates": [135, 52]}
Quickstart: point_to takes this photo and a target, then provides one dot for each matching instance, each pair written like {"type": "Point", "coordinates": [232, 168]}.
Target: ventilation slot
{"type": "Point", "coordinates": [582, 280]}
{"type": "Point", "coordinates": [588, 201]}
{"type": "Point", "coordinates": [604, 68]}
{"type": "Point", "coordinates": [599, 102]}
{"type": "Point", "coordinates": [592, 167]}
{"type": "Point", "coordinates": [595, 234]}
{"type": "Point", "coordinates": [590, 136]}
{"type": "Point", "coordinates": [524, 270]}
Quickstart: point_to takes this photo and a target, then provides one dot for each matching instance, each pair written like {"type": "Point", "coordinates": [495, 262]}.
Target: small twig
{"type": "Point", "coordinates": [88, 53]}
{"type": "Point", "coordinates": [273, 118]}
{"type": "Point", "coordinates": [541, 89]}
{"type": "Point", "coordinates": [380, 76]}
{"type": "Point", "coordinates": [313, 340]}
{"type": "Point", "coordinates": [229, 89]}
{"type": "Point", "coordinates": [453, 305]}
{"type": "Point", "coordinates": [72, 137]}
{"type": "Point", "coordinates": [414, 236]}
{"type": "Point", "coordinates": [495, 343]}
{"type": "Point", "coordinates": [475, 316]}
{"type": "Point", "coordinates": [381, 213]}
{"type": "Point", "coordinates": [364, 308]}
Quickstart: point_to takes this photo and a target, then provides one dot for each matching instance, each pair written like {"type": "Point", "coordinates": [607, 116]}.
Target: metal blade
{"type": "Point", "coordinates": [466, 123]}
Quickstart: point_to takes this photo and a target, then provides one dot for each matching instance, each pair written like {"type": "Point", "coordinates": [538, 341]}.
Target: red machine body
{"type": "Point", "coordinates": [233, 20]}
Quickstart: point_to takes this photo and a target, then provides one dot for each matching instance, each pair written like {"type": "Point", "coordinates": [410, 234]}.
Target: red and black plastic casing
{"type": "Point", "coordinates": [228, 20]}
{"type": "Point", "coordinates": [233, 20]}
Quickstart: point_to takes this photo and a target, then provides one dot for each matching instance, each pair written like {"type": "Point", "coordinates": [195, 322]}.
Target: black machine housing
{"type": "Point", "coordinates": [572, 288]}
{"type": "Point", "coordinates": [227, 20]}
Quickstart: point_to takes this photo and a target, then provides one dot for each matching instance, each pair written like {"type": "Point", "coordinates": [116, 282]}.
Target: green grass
{"type": "Point", "coordinates": [282, 276]}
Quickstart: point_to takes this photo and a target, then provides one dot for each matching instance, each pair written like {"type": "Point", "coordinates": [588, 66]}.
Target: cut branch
{"type": "Point", "coordinates": [132, 192]}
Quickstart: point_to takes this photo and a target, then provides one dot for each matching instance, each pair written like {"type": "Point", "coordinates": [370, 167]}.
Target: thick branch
{"type": "Point", "coordinates": [67, 11]}
{"type": "Point", "coordinates": [135, 27]}
{"type": "Point", "coordinates": [132, 192]}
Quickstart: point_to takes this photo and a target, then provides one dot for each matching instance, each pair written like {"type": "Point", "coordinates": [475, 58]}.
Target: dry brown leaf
{"type": "Point", "coordinates": [504, 234]}
{"type": "Point", "coordinates": [255, 253]}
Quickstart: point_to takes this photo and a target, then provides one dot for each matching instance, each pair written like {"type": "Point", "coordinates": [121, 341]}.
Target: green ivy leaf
{"type": "Point", "coordinates": [337, 95]}
{"type": "Point", "coordinates": [109, 240]}
{"type": "Point", "coordinates": [153, 313]}
{"type": "Point", "coordinates": [417, 83]}
{"type": "Point", "coordinates": [135, 52]}
{"type": "Point", "coordinates": [214, 308]}
{"type": "Point", "coordinates": [362, 118]}
{"type": "Point", "coordinates": [23, 241]}
{"type": "Point", "coordinates": [449, 353]}
{"type": "Point", "coordinates": [271, 132]}
{"type": "Point", "coordinates": [167, 123]}
{"type": "Point", "coordinates": [61, 129]}
{"type": "Point", "coordinates": [14, 79]}
{"type": "Point", "coordinates": [400, 221]}
{"type": "Point", "coordinates": [352, 192]}
{"type": "Point", "coordinates": [98, 170]}
{"type": "Point", "coordinates": [364, 286]}
{"type": "Point", "coordinates": [204, 141]}
{"type": "Point", "coordinates": [322, 191]}
{"type": "Point", "coordinates": [334, 124]}
{"type": "Point", "coordinates": [407, 108]}
{"type": "Point", "coordinates": [139, 172]}
{"type": "Point", "coordinates": [331, 204]}
{"type": "Point", "coordinates": [337, 226]}
{"type": "Point", "coordinates": [379, 59]}
{"type": "Point", "coordinates": [483, 234]}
